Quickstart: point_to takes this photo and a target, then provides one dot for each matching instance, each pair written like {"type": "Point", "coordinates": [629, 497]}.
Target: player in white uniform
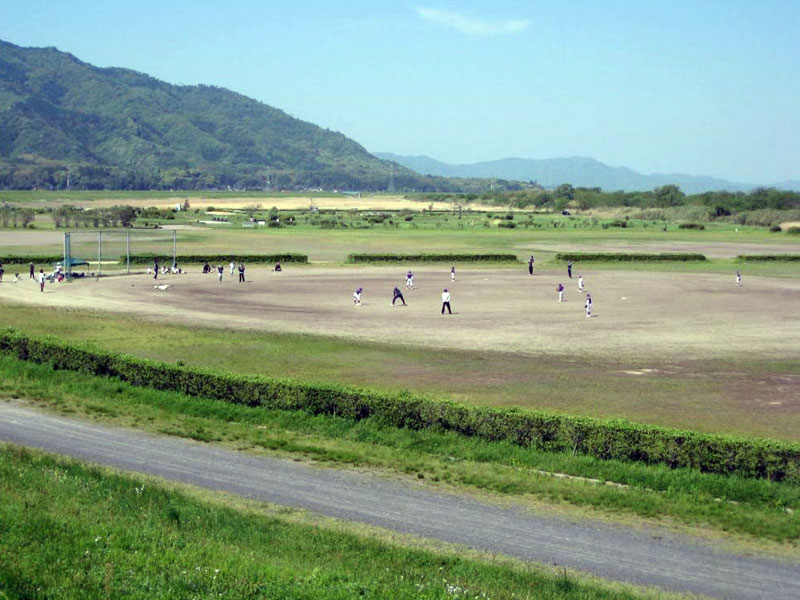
{"type": "Point", "coordinates": [446, 302]}
{"type": "Point", "coordinates": [409, 281]}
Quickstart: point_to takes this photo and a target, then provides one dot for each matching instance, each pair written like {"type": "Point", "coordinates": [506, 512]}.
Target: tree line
{"type": "Point", "coordinates": [565, 196]}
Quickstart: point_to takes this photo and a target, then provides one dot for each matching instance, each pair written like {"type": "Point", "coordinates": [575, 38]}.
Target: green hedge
{"type": "Point", "coordinates": [25, 259]}
{"type": "Point", "coordinates": [147, 259]}
{"type": "Point", "coordinates": [366, 258]}
{"type": "Point", "coordinates": [609, 439]}
{"type": "Point", "coordinates": [768, 257]}
{"type": "Point", "coordinates": [698, 226]}
{"type": "Point", "coordinates": [628, 257]}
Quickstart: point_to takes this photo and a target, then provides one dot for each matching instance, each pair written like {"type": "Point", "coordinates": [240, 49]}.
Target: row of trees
{"type": "Point", "coordinates": [115, 216]}
{"type": "Point", "coordinates": [566, 196]}
{"type": "Point", "coordinates": [18, 217]}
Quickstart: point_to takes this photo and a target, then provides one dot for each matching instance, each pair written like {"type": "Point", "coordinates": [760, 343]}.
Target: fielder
{"type": "Point", "coordinates": [453, 273]}
{"type": "Point", "coordinates": [588, 305]}
{"type": "Point", "coordinates": [580, 283]}
{"type": "Point", "coordinates": [357, 296]}
{"type": "Point", "coordinates": [738, 277]}
{"type": "Point", "coordinates": [560, 290]}
{"type": "Point", "coordinates": [409, 281]}
{"type": "Point", "coordinates": [397, 294]}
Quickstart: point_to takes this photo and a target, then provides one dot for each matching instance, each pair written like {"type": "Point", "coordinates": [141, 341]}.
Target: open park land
{"type": "Point", "coordinates": [691, 350]}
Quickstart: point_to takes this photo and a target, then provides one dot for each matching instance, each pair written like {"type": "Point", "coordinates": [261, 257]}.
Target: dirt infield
{"type": "Point", "coordinates": [636, 314]}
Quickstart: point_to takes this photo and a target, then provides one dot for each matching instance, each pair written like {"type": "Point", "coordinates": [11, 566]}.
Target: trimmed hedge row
{"type": "Point", "coordinates": [609, 439]}
{"type": "Point", "coordinates": [628, 257]}
{"type": "Point", "coordinates": [768, 257]}
{"type": "Point", "coordinates": [25, 259]}
{"type": "Point", "coordinates": [365, 258]}
{"type": "Point", "coordinates": [147, 258]}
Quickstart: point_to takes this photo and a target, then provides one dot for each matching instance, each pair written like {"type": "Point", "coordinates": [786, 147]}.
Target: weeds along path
{"type": "Point", "coordinates": [667, 561]}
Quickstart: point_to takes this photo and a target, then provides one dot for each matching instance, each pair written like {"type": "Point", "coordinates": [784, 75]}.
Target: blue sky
{"type": "Point", "coordinates": [702, 87]}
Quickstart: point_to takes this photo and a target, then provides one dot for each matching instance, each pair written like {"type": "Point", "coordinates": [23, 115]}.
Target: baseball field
{"type": "Point", "coordinates": [676, 344]}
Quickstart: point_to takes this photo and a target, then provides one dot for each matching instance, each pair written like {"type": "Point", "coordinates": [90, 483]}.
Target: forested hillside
{"type": "Point", "coordinates": [65, 120]}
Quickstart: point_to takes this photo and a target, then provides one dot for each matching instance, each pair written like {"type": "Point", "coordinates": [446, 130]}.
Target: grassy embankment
{"type": "Point", "coordinates": [757, 511]}
{"type": "Point", "coordinates": [71, 531]}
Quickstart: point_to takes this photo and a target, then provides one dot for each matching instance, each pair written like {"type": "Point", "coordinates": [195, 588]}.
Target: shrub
{"type": "Point", "coordinates": [793, 231]}
{"type": "Point", "coordinates": [618, 223]}
{"type": "Point", "coordinates": [628, 257]}
{"type": "Point", "coordinates": [605, 439]}
{"type": "Point", "coordinates": [769, 257]}
{"type": "Point", "coordinates": [147, 258]}
{"type": "Point", "coordinates": [699, 226]}
{"type": "Point", "coordinates": [24, 259]}
{"type": "Point", "coordinates": [507, 225]}
{"type": "Point", "coordinates": [775, 229]}
{"type": "Point", "coordinates": [365, 258]}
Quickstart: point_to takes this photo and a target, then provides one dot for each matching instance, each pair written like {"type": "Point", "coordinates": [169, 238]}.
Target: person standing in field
{"type": "Point", "coordinates": [446, 302]}
{"type": "Point", "coordinates": [530, 265]}
{"type": "Point", "coordinates": [569, 268]}
{"type": "Point", "coordinates": [220, 271]}
{"type": "Point", "coordinates": [357, 296]}
{"type": "Point", "coordinates": [738, 277]}
{"type": "Point", "coordinates": [453, 273]}
{"type": "Point", "coordinates": [232, 267]}
{"type": "Point", "coordinates": [241, 273]}
{"type": "Point", "coordinates": [155, 268]}
{"type": "Point", "coordinates": [397, 294]}
{"type": "Point", "coordinates": [560, 290]}
{"type": "Point", "coordinates": [41, 280]}
{"type": "Point", "coordinates": [31, 272]}
{"type": "Point", "coordinates": [588, 305]}
{"type": "Point", "coordinates": [2, 270]}
{"type": "Point", "coordinates": [409, 281]}
{"type": "Point", "coordinates": [580, 283]}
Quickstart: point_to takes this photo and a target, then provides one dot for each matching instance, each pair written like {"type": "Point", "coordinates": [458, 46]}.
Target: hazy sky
{"type": "Point", "coordinates": [701, 87]}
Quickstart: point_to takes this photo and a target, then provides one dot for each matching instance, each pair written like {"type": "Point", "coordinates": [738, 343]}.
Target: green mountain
{"type": "Point", "coordinates": [65, 120]}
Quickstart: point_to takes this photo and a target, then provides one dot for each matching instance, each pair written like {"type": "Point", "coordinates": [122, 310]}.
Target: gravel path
{"type": "Point", "coordinates": [667, 561]}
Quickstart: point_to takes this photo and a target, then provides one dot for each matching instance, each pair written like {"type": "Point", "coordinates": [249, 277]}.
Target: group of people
{"type": "Point", "coordinates": [587, 304]}
{"type": "Point", "coordinates": [40, 278]}
{"type": "Point", "coordinates": [398, 295]}
{"type": "Point", "coordinates": [232, 267]}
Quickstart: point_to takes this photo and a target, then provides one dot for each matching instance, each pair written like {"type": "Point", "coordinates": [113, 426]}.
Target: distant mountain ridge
{"type": "Point", "coordinates": [62, 120]}
{"type": "Point", "coordinates": [578, 171]}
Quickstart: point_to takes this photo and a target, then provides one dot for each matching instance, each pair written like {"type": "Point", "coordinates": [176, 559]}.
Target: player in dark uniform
{"type": "Point", "coordinates": [396, 293]}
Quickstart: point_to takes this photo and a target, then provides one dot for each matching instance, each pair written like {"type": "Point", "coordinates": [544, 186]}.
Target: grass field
{"type": "Point", "coordinates": [70, 531]}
